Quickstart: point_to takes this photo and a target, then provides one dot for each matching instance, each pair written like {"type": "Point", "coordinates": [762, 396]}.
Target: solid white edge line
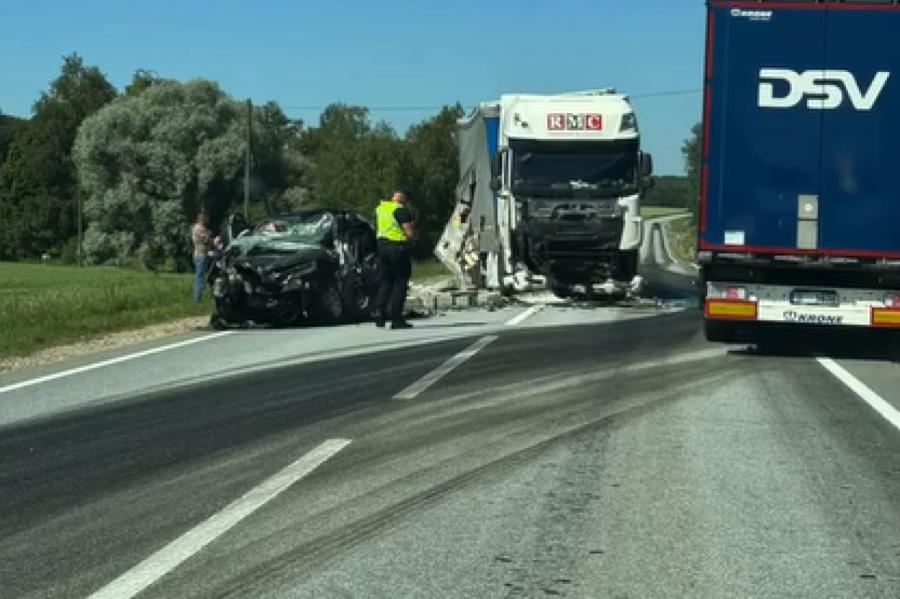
{"type": "Point", "coordinates": [874, 400]}
{"type": "Point", "coordinates": [444, 369]}
{"type": "Point", "coordinates": [519, 318]}
{"type": "Point", "coordinates": [172, 555]}
{"type": "Point", "coordinates": [110, 362]}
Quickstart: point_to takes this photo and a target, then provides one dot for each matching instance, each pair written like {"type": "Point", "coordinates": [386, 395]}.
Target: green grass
{"type": "Point", "coordinates": [683, 239]}
{"type": "Point", "coordinates": [659, 211]}
{"type": "Point", "coordinates": [43, 305]}
{"type": "Point", "coordinates": [429, 270]}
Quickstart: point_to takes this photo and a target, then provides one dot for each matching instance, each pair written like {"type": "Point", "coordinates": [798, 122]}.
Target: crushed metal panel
{"type": "Point", "coordinates": [474, 221]}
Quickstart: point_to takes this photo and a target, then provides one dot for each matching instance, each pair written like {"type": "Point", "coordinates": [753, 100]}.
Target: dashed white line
{"type": "Point", "coordinates": [110, 362]}
{"type": "Point", "coordinates": [441, 371]}
{"type": "Point", "coordinates": [169, 557]}
{"type": "Point", "coordinates": [521, 317]}
{"type": "Point", "coordinates": [889, 412]}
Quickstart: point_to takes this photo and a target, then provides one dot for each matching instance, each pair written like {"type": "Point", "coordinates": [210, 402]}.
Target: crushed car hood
{"type": "Point", "coordinates": [277, 252]}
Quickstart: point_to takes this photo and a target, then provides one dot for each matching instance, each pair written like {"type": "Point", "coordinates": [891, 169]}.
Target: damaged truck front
{"type": "Point", "coordinates": [549, 196]}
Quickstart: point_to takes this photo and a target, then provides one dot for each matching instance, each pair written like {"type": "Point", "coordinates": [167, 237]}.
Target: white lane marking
{"type": "Point", "coordinates": [169, 557]}
{"type": "Point", "coordinates": [519, 318]}
{"type": "Point", "coordinates": [110, 362]}
{"type": "Point", "coordinates": [889, 412]}
{"type": "Point", "coordinates": [441, 371]}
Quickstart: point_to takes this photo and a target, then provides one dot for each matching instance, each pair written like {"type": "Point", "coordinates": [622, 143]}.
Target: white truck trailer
{"type": "Point", "coordinates": [549, 196]}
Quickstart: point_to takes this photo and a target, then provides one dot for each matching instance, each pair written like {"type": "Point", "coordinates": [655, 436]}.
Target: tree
{"type": "Point", "coordinates": [691, 152]}
{"type": "Point", "coordinates": [670, 191]}
{"type": "Point", "coordinates": [38, 186]}
{"type": "Point", "coordinates": [149, 161]}
{"type": "Point", "coordinates": [140, 82]}
{"type": "Point", "coordinates": [281, 172]}
{"type": "Point", "coordinates": [430, 174]}
{"type": "Point", "coordinates": [10, 127]}
{"type": "Point", "coordinates": [353, 162]}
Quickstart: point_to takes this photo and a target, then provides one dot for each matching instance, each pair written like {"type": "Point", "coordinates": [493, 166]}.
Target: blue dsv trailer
{"type": "Point", "coordinates": [799, 220]}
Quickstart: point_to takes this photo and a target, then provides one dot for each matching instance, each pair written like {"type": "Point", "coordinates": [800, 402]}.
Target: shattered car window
{"type": "Point", "coordinates": [310, 229]}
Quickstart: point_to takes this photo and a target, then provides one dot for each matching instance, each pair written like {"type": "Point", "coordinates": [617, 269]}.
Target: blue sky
{"type": "Point", "coordinates": [307, 53]}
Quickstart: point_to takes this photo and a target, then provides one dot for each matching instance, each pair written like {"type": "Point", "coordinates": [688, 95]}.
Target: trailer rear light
{"type": "Point", "coordinates": [886, 317]}
{"type": "Point", "coordinates": [736, 293]}
{"type": "Point", "coordinates": [730, 309]}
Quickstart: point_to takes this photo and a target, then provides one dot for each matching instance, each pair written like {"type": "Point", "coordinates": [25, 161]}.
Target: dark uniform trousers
{"type": "Point", "coordinates": [395, 270]}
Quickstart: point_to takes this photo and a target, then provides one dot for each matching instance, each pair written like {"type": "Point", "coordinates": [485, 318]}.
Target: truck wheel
{"type": "Point", "coordinates": [628, 265]}
{"type": "Point", "coordinates": [561, 291]}
{"type": "Point", "coordinates": [719, 332]}
{"type": "Point", "coordinates": [476, 273]}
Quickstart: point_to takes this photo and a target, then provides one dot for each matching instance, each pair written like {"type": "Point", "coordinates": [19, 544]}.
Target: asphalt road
{"type": "Point", "coordinates": [583, 452]}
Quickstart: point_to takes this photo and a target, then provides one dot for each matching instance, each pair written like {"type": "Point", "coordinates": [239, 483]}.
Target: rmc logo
{"type": "Point", "coordinates": [574, 122]}
{"type": "Point", "coordinates": [822, 89]}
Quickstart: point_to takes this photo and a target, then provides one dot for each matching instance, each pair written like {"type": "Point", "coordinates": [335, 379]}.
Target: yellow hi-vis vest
{"type": "Point", "coordinates": [388, 227]}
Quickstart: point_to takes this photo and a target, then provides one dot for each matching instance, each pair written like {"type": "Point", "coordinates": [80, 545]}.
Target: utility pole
{"type": "Point", "coordinates": [247, 161]}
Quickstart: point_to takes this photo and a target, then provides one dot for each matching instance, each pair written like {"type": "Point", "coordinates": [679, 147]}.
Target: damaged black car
{"type": "Point", "coordinates": [313, 266]}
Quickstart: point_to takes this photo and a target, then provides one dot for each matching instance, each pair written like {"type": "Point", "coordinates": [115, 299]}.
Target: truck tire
{"type": "Point", "coordinates": [561, 291]}
{"type": "Point", "coordinates": [505, 290]}
{"type": "Point", "coordinates": [628, 265]}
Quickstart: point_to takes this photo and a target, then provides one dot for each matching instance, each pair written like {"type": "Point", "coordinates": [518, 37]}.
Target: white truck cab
{"type": "Point", "coordinates": [549, 195]}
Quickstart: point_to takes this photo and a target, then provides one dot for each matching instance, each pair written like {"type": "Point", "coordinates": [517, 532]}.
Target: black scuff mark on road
{"type": "Point", "coordinates": [558, 544]}
{"type": "Point", "coordinates": [304, 560]}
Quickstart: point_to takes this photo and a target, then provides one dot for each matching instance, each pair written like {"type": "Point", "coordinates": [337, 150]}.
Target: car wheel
{"type": "Point", "coordinates": [357, 298]}
{"type": "Point", "coordinates": [289, 314]}
{"type": "Point", "coordinates": [216, 323]}
{"type": "Point", "coordinates": [223, 315]}
{"type": "Point", "coordinates": [329, 304]}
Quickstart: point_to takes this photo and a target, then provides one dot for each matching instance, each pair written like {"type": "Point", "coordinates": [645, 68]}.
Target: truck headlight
{"type": "Point", "coordinates": [629, 123]}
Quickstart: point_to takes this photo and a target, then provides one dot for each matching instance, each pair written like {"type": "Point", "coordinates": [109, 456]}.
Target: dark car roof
{"type": "Point", "coordinates": [317, 213]}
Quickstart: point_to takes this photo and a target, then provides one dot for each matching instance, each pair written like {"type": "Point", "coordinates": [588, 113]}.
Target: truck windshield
{"type": "Point", "coordinates": [548, 168]}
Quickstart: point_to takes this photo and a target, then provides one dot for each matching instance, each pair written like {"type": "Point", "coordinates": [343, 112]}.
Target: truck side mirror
{"type": "Point", "coordinates": [496, 165]}
{"type": "Point", "coordinates": [646, 171]}
{"type": "Point", "coordinates": [496, 183]}
{"type": "Point", "coordinates": [646, 165]}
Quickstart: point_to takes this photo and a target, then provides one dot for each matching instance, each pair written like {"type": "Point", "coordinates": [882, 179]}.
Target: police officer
{"type": "Point", "coordinates": [395, 232]}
